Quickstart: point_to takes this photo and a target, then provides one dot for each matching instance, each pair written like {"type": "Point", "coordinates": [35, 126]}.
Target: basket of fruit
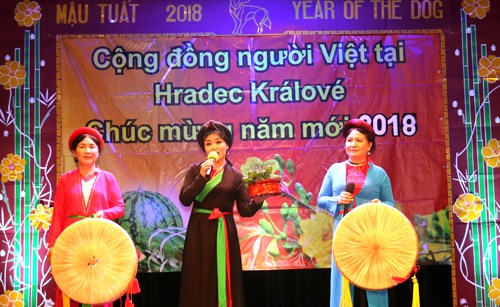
{"type": "Point", "coordinates": [260, 177]}
{"type": "Point", "coordinates": [265, 187]}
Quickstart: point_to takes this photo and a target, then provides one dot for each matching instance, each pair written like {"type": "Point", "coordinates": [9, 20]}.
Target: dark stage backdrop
{"type": "Point", "coordinates": [300, 288]}
{"type": "Point", "coordinates": [424, 72]}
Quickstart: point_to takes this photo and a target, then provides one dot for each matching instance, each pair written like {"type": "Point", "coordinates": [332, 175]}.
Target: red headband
{"type": "Point", "coordinates": [86, 130]}
{"type": "Point", "coordinates": [357, 123]}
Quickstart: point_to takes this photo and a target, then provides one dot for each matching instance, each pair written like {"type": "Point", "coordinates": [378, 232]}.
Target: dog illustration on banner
{"type": "Point", "coordinates": [242, 12]}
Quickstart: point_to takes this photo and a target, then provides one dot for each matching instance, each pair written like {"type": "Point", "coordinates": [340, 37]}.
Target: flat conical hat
{"type": "Point", "coordinates": [94, 261]}
{"type": "Point", "coordinates": [375, 246]}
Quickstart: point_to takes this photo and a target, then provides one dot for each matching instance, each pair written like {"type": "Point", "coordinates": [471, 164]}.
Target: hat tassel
{"type": "Point", "coordinates": [345, 297]}
{"type": "Point", "coordinates": [416, 295]}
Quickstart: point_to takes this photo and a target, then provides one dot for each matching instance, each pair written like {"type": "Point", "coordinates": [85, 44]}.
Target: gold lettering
{"type": "Point", "coordinates": [116, 13]}
{"type": "Point", "coordinates": [351, 9]}
{"type": "Point", "coordinates": [426, 9]}
{"type": "Point", "coordinates": [314, 10]}
{"type": "Point", "coordinates": [61, 14]}
{"type": "Point", "coordinates": [386, 9]}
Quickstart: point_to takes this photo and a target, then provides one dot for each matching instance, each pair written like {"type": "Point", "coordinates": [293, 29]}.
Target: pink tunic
{"type": "Point", "coordinates": [105, 196]}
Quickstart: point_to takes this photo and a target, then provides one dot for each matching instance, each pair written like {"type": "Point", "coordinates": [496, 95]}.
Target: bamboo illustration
{"type": "Point", "coordinates": [490, 214]}
{"type": "Point", "coordinates": [18, 212]}
{"type": "Point", "coordinates": [26, 142]}
{"type": "Point", "coordinates": [478, 188]}
{"type": "Point", "coordinates": [27, 134]}
{"type": "Point", "coordinates": [36, 158]}
{"type": "Point", "coordinates": [480, 177]}
{"type": "Point", "coordinates": [26, 273]}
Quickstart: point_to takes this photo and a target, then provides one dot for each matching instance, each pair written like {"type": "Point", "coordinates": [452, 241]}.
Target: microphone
{"type": "Point", "coordinates": [349, 187]}
{"type": "Point", "coordinates": [213, 155]}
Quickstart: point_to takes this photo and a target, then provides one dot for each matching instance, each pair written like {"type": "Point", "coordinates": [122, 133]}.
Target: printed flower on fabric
{"type": "Point", "coordinates": [491, 153]}
{"type": "Point", "coordinates": [11, 299]}
{"type": "Point", "coordinates": [494, 291]}
{"type": "Point", "coordinates": [41, 217]}
{"type": "Point", "coordinates": [27, 13]}
{"type": "Point", "coordinates": [12, 168]}
{"type": "Point", "coordinates": [12, 75]}
{"type": "Point", "coordinates": [316, 238]}
{"type": "Point", "coordinates": [468, 207]}
{"type": "Point", "coordinates": [489, 68]}
{"type": "Point", "coordinates": [476, 8]}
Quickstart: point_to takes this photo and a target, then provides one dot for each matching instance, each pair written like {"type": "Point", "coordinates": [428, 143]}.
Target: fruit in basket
{"type": "Point", "coordinates": [260, 176]}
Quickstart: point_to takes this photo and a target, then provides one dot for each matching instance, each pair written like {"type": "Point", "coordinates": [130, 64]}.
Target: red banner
{"type": "Point", "coordinates": [285, 97]}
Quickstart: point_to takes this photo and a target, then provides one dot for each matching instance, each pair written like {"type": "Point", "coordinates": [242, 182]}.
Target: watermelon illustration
{"type": "Point", "coordinates": [155, 225]}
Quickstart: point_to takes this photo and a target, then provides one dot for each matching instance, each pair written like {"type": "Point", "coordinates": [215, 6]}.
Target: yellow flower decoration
{"type": "Point", "coordinates": [316, 238]}
{"type": "Point", "coordinates": [491, 153]}
{"type": "Point", "coordinates": [41, 217]}
{"type": "Point", "coordinates": [494, 291]}
{"type": "Point", "coordinates": [468, 207]}
{"type": "Point", "coordinates": [27, 13]}
{"type": "Point", "coordinates": [489, 68]}
{"type": "Point", "coordinates": [11, 299]}
{"type": "Point", "coordinates": [12, 168]}
{"type": "Point", "coordinates": [12, 75]}
{"type": "Point", "coordinates": [476, 8]}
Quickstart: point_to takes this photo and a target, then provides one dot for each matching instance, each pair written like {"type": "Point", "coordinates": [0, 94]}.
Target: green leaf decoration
{"type": "Point", "coordinates": [254, 169]}
{"type": "Point", "coordinates": [290, 167]}
{"type": "Point", "coordinates": [281, 163]}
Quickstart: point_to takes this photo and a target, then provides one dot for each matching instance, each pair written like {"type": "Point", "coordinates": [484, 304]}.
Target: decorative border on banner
{"type": "Point", "coordinates": [448, 167]}
{"type": "Point", "coordinates": [59, 159]}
